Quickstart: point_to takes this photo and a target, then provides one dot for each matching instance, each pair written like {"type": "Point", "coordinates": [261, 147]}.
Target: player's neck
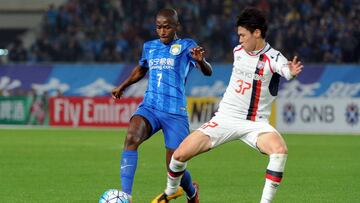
{"type": "Point", "coordinates": [260, 45]}
{"type": "Point", "coordinates": [175, 38]}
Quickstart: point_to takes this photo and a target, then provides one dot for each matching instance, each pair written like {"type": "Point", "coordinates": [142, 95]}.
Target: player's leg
{"type": "Point", "coordinates": [138, 131]}
{"type": "Point", "coordinates": [209, 135]}
{"type": "Point", "coordinates": [265, 138]}
{"type": "Point", "coordinates": [176, 129]}
{"type": "Point", "coordinates": [272, 144]}
{"type": "Point", "coordinates": [142, 125]}
{"type": "Point", "coordinates": [212, 134]}
{"type": "Point", "coordinates": [196, 143]}
{"type": "Point", "coordinates": [186, 181]}
{"type": "Point", "coordinates": [180, 190]}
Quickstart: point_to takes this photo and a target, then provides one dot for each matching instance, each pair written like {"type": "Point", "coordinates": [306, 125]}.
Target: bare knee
{"type": "Point", "coordinates": [272, 143]}
{"type": "Point", "coordinates": [281, 149]}
{"type": "Point", "coordinates": [195, 144]}
{"type": "Point", "coordinates": [133, 140]}
{"type": "Point", "coordinates": [179, 155]}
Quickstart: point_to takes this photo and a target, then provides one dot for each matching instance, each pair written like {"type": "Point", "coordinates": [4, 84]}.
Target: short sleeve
{"type": "Point", "coordinates": [143, 62]}
{"type": "Point", "coordinates": [282, 66]}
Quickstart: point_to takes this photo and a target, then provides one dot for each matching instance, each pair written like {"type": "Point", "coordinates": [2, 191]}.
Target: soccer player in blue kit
{"type": "Point", "coordinates": [169, 60]}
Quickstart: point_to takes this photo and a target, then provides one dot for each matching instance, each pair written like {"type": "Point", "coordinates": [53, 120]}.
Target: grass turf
{"type": "Point", "coordinates": [77, 165]}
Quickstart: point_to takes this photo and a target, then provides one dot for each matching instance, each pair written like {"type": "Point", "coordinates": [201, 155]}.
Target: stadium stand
{"type": "Point", "coordinates": [113, 30]}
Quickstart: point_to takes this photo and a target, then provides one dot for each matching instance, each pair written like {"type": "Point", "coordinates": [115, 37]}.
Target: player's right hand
{"type": "Point", "coordinates": [116, 93]}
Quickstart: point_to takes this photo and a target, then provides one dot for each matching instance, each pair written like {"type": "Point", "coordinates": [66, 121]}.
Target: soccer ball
{"type": "Point", "coordinates": [114, 196]}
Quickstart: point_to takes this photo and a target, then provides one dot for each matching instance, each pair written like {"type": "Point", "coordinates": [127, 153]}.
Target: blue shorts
{"type": "Point", "coordinates": [175, 127]}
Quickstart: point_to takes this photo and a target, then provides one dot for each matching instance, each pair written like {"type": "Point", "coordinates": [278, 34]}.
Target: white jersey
{"type": "Point", "coordinates": [253, 84]}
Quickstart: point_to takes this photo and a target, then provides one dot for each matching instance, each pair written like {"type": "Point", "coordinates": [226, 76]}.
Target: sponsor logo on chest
{"type": "Point", "coordinates": [175, 49]}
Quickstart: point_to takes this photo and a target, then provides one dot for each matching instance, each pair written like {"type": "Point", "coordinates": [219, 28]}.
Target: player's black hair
{"type": "Point", "coordinates": [169, 13]}
{"type": "Point", "coordinates": [252, 18]}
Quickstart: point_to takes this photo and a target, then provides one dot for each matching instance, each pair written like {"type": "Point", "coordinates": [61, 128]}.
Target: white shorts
{"type": "Point", "coordinates": [223, 129]}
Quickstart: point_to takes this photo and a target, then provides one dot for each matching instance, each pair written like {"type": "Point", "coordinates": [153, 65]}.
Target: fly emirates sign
{"type": "Point", "coordinates": [97, 111]}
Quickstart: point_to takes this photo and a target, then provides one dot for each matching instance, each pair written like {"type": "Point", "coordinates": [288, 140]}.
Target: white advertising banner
{"type": "Point", "coordinates": [201, 110]}
{"type": "Point", "coordinates": [318, 115]}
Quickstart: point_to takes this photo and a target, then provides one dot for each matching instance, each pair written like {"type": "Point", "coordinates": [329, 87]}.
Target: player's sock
{"type": "Point", "coordinates": [273, 176]}
{"type": "Point", "coordinates": [127, 169]}
{"type": "Point", "coordinates": [177, 169]}
{"type": "Point", "coordinates": [187, 185]}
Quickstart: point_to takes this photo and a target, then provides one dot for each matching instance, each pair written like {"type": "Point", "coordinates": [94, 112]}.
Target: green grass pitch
{"type": "Point", "coordinates": [78, 165]}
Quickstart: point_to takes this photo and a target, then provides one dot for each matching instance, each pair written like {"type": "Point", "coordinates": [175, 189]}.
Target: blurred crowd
{"type": "Point", "coordinates": [319, 31]}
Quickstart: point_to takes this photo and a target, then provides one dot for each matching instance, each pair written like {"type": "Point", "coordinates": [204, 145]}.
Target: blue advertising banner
{"type": "Point", "coordinates": [339, 81]}
{"type": "Point", "coordinates": [22, 77]}
{"type": "Point", "coordinates": [328, 81]}
{"type": "Point", "coordinates": [85, 80]}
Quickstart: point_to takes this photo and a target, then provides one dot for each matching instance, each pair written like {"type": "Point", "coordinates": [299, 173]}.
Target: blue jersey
{"type": "Point", "coordinates": [169, 66]}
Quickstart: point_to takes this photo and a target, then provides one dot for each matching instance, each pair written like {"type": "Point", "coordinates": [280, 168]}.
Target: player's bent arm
{"type": "Point", "coordinates": [137, 74]}
{"type": "Point", "coordinates": [205, 67]}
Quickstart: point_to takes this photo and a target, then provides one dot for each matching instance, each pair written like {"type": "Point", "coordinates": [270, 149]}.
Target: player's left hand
{"type": "Point", "coordinates": [197, 53]}
{"type": "Point", "coordinates": [295, 66]}
{"type": "Point", "coordinates": [117, 92]}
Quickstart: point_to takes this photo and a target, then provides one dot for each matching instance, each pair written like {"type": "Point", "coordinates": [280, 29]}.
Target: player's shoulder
{"type": "Point", "coordinates": [271, 51]}
{"type": "Point", "coordinates": [187, 42]}
{"type": "Point", "coordinates": [237, 48]}
{"type": "Point", "coordinates": [152, 43]}
{"type": "Point", "coordinates": [274, 55]}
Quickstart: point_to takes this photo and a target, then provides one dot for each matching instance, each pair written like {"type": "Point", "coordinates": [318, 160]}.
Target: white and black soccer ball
{"type": "Point", "coordinates": [114, 196]}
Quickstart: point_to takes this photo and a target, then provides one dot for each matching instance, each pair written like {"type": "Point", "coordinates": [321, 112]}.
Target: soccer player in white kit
{"type": "Point", "coordinates": [245, 108]}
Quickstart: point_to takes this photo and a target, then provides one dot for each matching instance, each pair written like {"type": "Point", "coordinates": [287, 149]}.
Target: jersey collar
{"type": "Point", "coordinates": [259, 52]}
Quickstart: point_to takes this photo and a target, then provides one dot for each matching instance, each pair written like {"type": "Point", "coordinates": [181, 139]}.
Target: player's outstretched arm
{"type": "Point", "coordinates": [198, 55]}
{"type": "Point", "coordinates": [295, 66]}
{"type": "Point", "coordinates": [137, 74]}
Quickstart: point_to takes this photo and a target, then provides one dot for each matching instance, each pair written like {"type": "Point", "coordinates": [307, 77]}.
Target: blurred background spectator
{"type": "Point", "coordinates": [319, 31]}
{"type": "Point", "coordinates": [18, 52]}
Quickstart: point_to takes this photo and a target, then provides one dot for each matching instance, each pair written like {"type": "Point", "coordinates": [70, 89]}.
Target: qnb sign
{"type": "Point", "coordinates": [317, 113]}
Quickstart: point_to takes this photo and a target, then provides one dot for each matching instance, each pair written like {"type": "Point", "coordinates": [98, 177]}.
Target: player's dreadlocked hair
{"type": "Point", "coordinates": [252, 18]}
